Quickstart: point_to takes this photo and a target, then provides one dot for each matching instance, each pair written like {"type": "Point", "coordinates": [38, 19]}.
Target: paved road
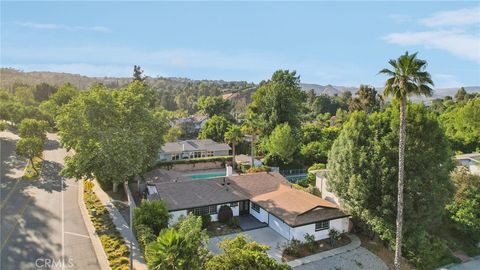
{"type": "Point", "coordinates": [34, 233]}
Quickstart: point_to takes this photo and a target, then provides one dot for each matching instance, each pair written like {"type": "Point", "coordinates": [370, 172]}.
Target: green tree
{"type": "Point", "coordinates": [461, 94]}
{"type": "Point", "coordinates": [24, 94]}
{"type": "Point", "coordinates": [213, 105]}
{"type": "Point", "coordinates": [173, 134]}
{"type": "Point", "coordinates": [363, 172]}
{"type": "Point", "coordinates": [407, 78]}
{"type": "Point", "coordinates": [214, 129]}
{"type": "Point", "coordinates": [43, 91]}
{"type": "Point", "coordinates": [366, 99]}
{"type": "Point", "coordinates": [114, 133]}
{"type": "Point", "coordinates": [33, 128]}
{"type": "Point", "coordinates": [138, 74]}
{"type": "Point", "coordinates": [278, 101]}
{"type": "Point", "coordinates": [180, 247]}
{"type": "Point", "coordinates": [239, 253]}
{"type": "Point", "coordinates": [233, 136]}
{"type": "Point", "coordinates": [253, 127]}
{"type": "Point", "coordinates": [465, 208]}
{"type": "Point", "coordinates": [282, 143]}
{"type": "Point", "coordinates": [462, 125]}
{"type": "Point", "coordinates": [153, 214]}
{"type": "Point", "coordinates": [30, 147]}
{"type": "Point", "coordinates": [61, 97]}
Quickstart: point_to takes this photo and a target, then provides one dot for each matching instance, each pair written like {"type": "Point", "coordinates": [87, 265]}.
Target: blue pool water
{"type": "Point", "coordinates": [205, 175]}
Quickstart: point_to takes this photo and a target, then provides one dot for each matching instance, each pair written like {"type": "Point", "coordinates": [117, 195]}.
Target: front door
{"type": "Point", "coordinates": [244, 207]}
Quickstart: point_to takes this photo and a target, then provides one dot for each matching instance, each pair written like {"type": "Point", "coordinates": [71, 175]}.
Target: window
{"type": "Point", "coordinates": [322, 225]}
{"type": "Point", "coordinates": [256, 207]}
{"type": "Point", "coordinates": [233, 204]}
{"type": "Point", "coordinates": [203, 211]}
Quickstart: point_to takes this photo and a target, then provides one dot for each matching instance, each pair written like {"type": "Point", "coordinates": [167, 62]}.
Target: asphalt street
{"type": "Point", "coordinates": [41, 223]}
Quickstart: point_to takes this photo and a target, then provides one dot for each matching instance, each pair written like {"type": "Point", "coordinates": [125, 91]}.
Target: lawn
{"type": "Point", "coordinates": [29, 172]}
{"type": "Point", "coordinates": [112, 242]}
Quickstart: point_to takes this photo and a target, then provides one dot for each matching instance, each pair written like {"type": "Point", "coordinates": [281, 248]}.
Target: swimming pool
{"type": "Point", "coordinates": [205, 175]}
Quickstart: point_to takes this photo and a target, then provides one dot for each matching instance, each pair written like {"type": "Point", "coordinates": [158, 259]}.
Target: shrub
{"type": "Point", "coordinates": [311, 243]}
{"type": "Point", "coordinates": [258, 169]}
{"type": "Point", "coordinates": [334, 236]}
{"type": "Point", "coordinates": [317, 166]}
{"type": "Point", "coordinates": [314, 191]}
{"type": "Point", "coordinates": [273, 160]}
{"type": "Point", "coordinates": [3, 125]}
{"type": "Point", "coordinates": [153, 214]}
{"type": "Point", "coordinates": [206, 220]}
{"type": "Point", "coordinates": [303, 182]}
{"type": "Point", "coordinates": [225, 214]}
{"type": "Point", "coordinates": [144, 235]}
{"type": "Point", "coordinates": [292, 247]}
{"type": "Point", "coordinates": [233, 223]}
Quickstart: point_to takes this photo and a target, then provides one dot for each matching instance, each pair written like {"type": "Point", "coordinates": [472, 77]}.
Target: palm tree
{"type": "Point", "coordinates": [407, 78]}
{"type": "Point", "coordinates": [252, 126]}
{"type": "Point", "coordinates": [165, 252]}
{"type": "Point", "coordinates": [233, 136]}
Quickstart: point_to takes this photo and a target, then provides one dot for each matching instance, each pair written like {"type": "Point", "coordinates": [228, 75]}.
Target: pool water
{"type": "Point", "coordinates": [205, 175]}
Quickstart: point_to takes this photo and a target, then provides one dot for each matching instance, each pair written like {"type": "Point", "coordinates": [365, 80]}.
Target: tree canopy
{"type": "Point", "coordinates": [215, 129]}
{"type": "Point", "coordinates": [213, 105]}
{"type": "Point", "coordinates": [114, 133]}
{"type": "Point", "coordinates": [363, 172]}
{"type": "Point", "coordinates": [278, 101]}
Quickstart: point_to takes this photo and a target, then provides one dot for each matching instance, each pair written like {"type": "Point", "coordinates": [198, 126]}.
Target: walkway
{"type": "Point", "coordinates": [122, 226]}
{"type": "Point", "coordinates": [248, 222]}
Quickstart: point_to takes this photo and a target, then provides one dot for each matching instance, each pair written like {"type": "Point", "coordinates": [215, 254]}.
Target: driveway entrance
{"type": "Point", "coordinates": [248, 222]}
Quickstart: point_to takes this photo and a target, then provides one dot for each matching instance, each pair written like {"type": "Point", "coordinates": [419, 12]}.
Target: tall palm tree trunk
{"type": "Point", "coordinates": [233, 154]}
{"type": "Point", "coordinates": [253, 151]}
{"type": "Point", "coordinates": [401, 175]}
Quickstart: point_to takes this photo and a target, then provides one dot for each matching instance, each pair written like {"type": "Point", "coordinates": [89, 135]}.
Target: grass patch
{"type": "Point", "coordinates": [112, 242]}
{"type": "Point", "coordinates": [29, 173]}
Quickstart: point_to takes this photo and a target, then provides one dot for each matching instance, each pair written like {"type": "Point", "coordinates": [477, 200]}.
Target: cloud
{"type": "Point", "coordinates": [453, 18]}
{"type": "Point", "coordinates": [48, 26]}
{"type": "Point", "coordinates": [457, 42]}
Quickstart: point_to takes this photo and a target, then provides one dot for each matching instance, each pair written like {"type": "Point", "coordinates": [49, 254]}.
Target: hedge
{"type": "Point", "coordinates": [192, 161]}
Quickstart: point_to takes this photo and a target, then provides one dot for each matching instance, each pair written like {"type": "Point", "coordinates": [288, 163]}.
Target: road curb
{"type": "Point", "coordinates": [97, 244]}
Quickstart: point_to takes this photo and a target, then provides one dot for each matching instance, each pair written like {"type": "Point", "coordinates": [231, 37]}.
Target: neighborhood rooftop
{"type": "Point", "coordinates": [194, 145]}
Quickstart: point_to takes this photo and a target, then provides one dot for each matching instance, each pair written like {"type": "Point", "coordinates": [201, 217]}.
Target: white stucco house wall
{"type": "Point", "coordinates": [268, 197]}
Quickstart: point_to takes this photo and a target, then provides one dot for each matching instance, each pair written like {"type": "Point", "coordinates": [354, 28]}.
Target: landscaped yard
{"type": "Point", "coordinates": [296, 249]}
{"type": "Point", "coordinates": [217, 229]}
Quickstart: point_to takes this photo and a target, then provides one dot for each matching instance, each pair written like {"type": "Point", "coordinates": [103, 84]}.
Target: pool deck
{"type": "Point", "coordinates": [165, 176]}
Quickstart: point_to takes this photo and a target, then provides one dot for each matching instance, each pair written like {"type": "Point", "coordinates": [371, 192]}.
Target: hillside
{"type": "Point", "coordinates": [10, 77]}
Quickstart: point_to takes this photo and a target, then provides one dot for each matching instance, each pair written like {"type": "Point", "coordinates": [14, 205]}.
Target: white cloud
{"type": "Point", "coordinates": [48, 26]}
{"type": "Point", "coordinates": [457, 42]}
{"type": "Point", "coordinates": [453, 18]}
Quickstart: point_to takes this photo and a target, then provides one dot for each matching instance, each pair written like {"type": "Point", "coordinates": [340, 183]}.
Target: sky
{"type": "Point", "coordinates": [339, 43]}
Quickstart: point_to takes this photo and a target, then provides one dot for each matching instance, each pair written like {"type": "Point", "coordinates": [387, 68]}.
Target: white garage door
{"type": "Point", "coordinates": [278, 225]}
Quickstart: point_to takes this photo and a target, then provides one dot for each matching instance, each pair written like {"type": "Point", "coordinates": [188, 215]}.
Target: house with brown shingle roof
{"type": "Point", "coordinates": [268, 197]}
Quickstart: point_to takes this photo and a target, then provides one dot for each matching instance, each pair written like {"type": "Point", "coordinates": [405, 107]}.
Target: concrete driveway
{"type": "Point", "coordinates": [264, 236]}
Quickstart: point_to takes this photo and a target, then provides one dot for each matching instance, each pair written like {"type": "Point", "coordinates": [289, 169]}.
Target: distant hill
{"type": "Point", "coordinates": [332, 90]}
{"type": "Point", "coordinates": [10, 77]}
